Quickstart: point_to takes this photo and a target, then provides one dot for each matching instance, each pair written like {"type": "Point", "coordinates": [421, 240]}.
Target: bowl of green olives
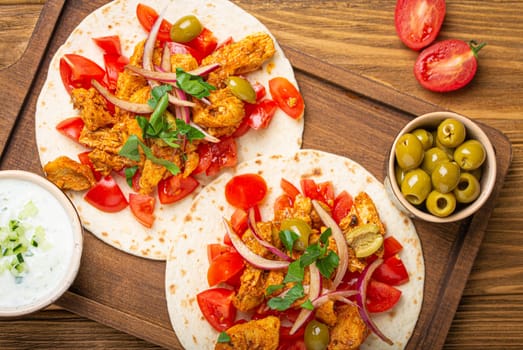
{"type": "Point", "coordinates": [441, 167]}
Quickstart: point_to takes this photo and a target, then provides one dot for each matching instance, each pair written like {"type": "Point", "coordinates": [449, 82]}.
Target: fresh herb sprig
{"type": "Point", "coordinates": [193, 84]}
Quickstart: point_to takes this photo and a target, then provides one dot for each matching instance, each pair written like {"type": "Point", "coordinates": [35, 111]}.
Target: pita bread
{"type": "Point", "coordinates": [187, 262]}
{"type": "Point", "coordinates": [225, 19]}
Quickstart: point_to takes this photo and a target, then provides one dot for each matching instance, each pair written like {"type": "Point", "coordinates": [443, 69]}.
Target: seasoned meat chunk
{"type": "Point", "coordinates": [68, 174]}
{"type": "Point", "coordinates": [350, 331]}
{"type": "Point", "coordinates": [93, 108]}
{"type": "Point", "coordinates": [184, 61]}
{"type": "Point", "coordinates": [252, 289]}
{"type": "Point", "coordinates": [263, 334]}
{"type": "Point", "coordinates": [241, 57]}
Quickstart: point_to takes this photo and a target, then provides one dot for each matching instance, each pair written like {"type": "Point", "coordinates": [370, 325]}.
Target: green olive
{"type": "Point", "coordinates": [416, 186]}
{"type": "Point", "coordinates": [451, 132]}
{"type": "Point", "coordinates": [468, 188]}
{"type": "Point", "coordinates": [299, 227]}
{"type": "Point", "coordinates": [399, 174]}
{"type": "Point", "coordinates": [470, 155]}
{"type": "Point", "coordinates": [441, 204]}
{"type": "Point", "coordinates": [186, 28]}
{"type": "Point", "coordinates": [449, 151]}
{"type": "Point", "coordinates": [409, 151]}
{"type": "Point", "coordinates": [445, 176]}
{"type": "Point", "coordinates": [432, 157]}
{"type": "Point", "coordinates": [365, 239]}
{"type": "Point", "coordinates": [316, 336]}
{"type": "Point", "coordinates": [425, 137]}
{"type": "Point", "coordinates": [242, 89]}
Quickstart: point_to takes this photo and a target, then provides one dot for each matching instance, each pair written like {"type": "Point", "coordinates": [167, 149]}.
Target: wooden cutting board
{"type": "Point", "coordinates": [345, 114]}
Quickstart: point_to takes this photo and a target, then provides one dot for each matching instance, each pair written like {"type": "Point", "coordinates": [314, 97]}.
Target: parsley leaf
{"type": "Point", "coordinates": [307, 305]}
{"type": "Point", "coordinates": [157, 93]}
{"type": "Point", "coordinates": [129, 174]}
{"type": "Point", "coordinates": [327, 264]}
{"type": "Point", "coordinates": [286, 301]}
{"type": "Point", "coordinates": [193, 84]}
{"type": "Point", "coordinates": [223, 338]}
{"type": "Point", "coordinates": [295, 272]}
{"type": "Point", "coordinates": [131, 150]}
{"type": "Point", "coordinates": [288, 237]}
{"type": "Point", "coordinates": [273, 288]}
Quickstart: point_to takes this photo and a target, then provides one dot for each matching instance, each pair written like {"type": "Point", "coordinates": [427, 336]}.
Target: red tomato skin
{"type": "Point", "coordinates": [142, 207]}
{"type": "Point", "coordinates": [392, 272]}
{"type": "Point", "coordinates": [289, 189]}
{"type": "Point", "coordinates": [239, 221]}
{"type": "Point", "coordinates": [391, 246]}
{"type": "Point", "coordinates": [204, 44]}
{"type": "Point", "coordinates": [381, 297]}
{"type": "Point", "coordinates": [447, 65]}
{"type": "Point", "coordinates": [114, 65]}
{"type": "Point", "coordinates": [292, 345]}
{"type": "Point", "coordinates": [287, 96]}
{"type": "Point", "coordinates": [109, 44]}
{"type": "Point", "coordinates": [418, 22]}
{"type": "Point", "coordinates": [261, 114]}
{"type": "Point", "coordinates": [71, 127]}
{"type": "Point", "coordinates": [216, 249]}
{"type": "Point", "coordinates": [77, 72]}
{"type": "Point", "coordinates": [217, 308]}
{"type": "Point", "coordinates": [245, 190]}
{"type": "Point", "coordinates": [281, 203]}
{"type": "Point", "coordinates": [175, 188]}
{"type": "Point", "coordinates": [106, 195]}
{"type": "Point", "coordinates": [147, 16]}
{"type": "Point", "coordinates": [216, 156]}
{"type": "Point", "coordinates": [224, 267]}
{"type": "Point", "coordinates": [323, 191]}
{"type": "Point", "coordinates": [83, 157]}
{"type": "Point", "coordinates": [342, 206]}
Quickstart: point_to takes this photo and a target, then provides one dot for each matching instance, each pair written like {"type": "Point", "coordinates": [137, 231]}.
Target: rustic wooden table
{"type": "Point", "coordinates": [359, 36]}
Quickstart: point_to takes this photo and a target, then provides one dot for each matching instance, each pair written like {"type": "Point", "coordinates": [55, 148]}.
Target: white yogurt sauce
{"type": "Point", "coordinates": [45, 266]}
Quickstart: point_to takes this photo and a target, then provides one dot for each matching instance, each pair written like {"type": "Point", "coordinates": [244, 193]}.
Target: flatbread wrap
{"type": "Point", "coordinates": [213, 303]}
{"type": "Point", "coordinates": [103, 87]}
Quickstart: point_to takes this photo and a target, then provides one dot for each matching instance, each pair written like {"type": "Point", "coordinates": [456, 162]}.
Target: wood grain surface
{"type": "Point", "coordinates": [359, 36]}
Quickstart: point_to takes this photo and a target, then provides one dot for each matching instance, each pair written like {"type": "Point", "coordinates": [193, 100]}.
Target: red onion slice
{"type": "Point", "coordinates": [251, 221]}
{"type": "Point", "coordinates": [314, 292]}
{"type": "Point", "coordinates": [341, 245]}
{"type": "Point", "coordinates": [249, 256]}
{"type": "Point", "coordinates": [361, 298]}
{"type": "Point", "coordinates": [337, 295]}
{"type": "Point", "coordinates": [138, 108]}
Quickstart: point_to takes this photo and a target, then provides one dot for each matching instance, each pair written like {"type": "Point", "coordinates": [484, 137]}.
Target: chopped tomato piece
{"type": "Point", "coordinates": [245, 190]}
{"type": "Point", "coordinates": [281, 203]}
{"type": "Point", "coordinates": [224, 267]}
{"type": "Point", "coordinates": [215, 249]}
{"type": "Point", "coordinates": [292, 344]}
{"type": "Point", "coordinates": [217, 308]}
{"type": "Point", "coordinates": [106, 195]}
{"type": "Point", "coordinates": [77, 72]}
{"type": "Point", "coordinates": [381, 296]}
{"type": "Point", "coordinates": [71, 127]}
{"type": "Point", "coordinates": [323, 191]}
{"type": "Point", "coordinates": [216, 156]}
{"type": "Point", "coordinates": [204, 44]}
{"type": "Point", "coordinates": [260, 114]}
{"type": "Point", "coordinates": [342, 205]}
{"type": "Point", "coordinates": [242, 129]}
{"type": "Point", "coordinates": [147, 16]}
{"type": "Point", "coordinates": [260, 91]}
{"type": "Point", "coordinates": [392, 271]}
{"type": "Point", "coordinates": [142, 207]}
{"type": "Point", "coordinates": [391, 247]}
{"type": "Point", "coordinates": [287, 97]}
{"type": "Point", "coordinates": [289, 189]}
{"type": "Point", "coordinates": [239, 221]}
{"type": "Point", "coordinates": [179, 48]}
{"type": "Point", "coordinates": [83, 157]}
{"type": "Point", "coordinates": [109, 44]}
{"type": "Point", "coordinates": [114, 65]}
{"type": "Point", "coordinates": [175, 187]}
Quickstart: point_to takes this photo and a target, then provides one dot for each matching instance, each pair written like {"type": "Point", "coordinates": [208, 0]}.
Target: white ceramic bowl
{"type": "Point", "coordinates": [488, 178]}
{"type": "Point", "coordinates": [50, 264]}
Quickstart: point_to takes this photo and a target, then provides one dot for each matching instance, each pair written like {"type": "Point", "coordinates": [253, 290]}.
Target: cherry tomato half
{"type": "Point", "coordinates": [245, 190]}
{"type": "Point", "coordinates": [392, 271]}
{"type": "Point", "coordinates": [147, 16]}
{"type": "Point", "coordinates": [447, 65]}
{"type": "Point", "coordinates": [418, 22]}
{"type": "Point", "coordinates": [175, 187]}
{"type": "Point", "coordinates": [381, 297]}
{"type": "Point", "coordinates": [106, 195]}
{"type": "Point", "coordinates": [142, 207]}
{"type": "Point", "coordinates": [217, 308]}
{"type": "Point", "coordinates": [287, 96]}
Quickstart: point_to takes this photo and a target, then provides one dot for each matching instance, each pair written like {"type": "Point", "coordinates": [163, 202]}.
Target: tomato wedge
{"type": "Point", "coordinates": [77, 72]}
{"type": "Point", "coordinates": [114, 65]}
{"type": "Point", "coordinates": [175, 187]}
{"type": "Point", "coordinates": [287, 96]}
{"type": "Point", "coordinates": [217, 308]}
{"type": "Point", "coordinates": [71, 127]}
{"type": "Point", "coordinates": [259, 115]}
{"type": "Point", "coordinates": [391, 246]}
{"type": "Point", "coordinates": [323, 192]}
{"type": "Point", "coordinates": [342, 206]}
{"type": "Point", "coordinates": [381, 297]}
{"type": "Point", "coordinates": [239, 221]}
{"type": "Point", "coordinates": [225, 267]}
{"type": "Point", "coordinates": [106, 195]}
{"type": "Point", "coordinates": [245, 190]}
{"type": "Point", "coordinates": [109, 44]}
{"type": "Point", "coordinates": [142, 207]}
{"type": "Point", "coordinates": [418, 22]}
{"type": "Point", "coordinates": [147, 16]}
{"type": "Point", "coordinates": [447, 65]}
{"type": "Point", "coordinates": [204, 44]}
{"type": "Point", "coordinates": [392, 271]}
{"type": "Point", "coordinates": [216, 249]}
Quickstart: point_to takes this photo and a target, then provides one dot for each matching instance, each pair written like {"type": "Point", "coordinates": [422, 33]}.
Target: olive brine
{"type": "Point", "coordinates": [439, 170]}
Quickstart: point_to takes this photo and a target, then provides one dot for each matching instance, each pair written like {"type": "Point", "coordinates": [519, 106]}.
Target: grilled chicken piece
{"type": "Point", "coordinates": [367, 212]}
{"type": "Point", "coordinates": [223, 116]}
{"type": "Point", "coordinates": [350, 331]}
{"type": "Point", "coordinates": [241, 57]}
{"type": "Point", "coordinates": [261, 334]}
{"type": "Point", "coordinates": [152, 173]}
{"type": "Point", "coordinates": [68, 174]}
{"type": "Point", "coordinates": [93, 108]}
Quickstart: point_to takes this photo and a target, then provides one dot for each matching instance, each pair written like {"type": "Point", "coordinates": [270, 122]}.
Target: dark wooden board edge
{"type": "Point", "coordinates": [429, 335]}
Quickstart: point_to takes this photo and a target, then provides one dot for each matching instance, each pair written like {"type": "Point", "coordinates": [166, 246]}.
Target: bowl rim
{"type": "Point", "coordinates": [77, 231]}
{"type": "Point", "coordinates": [487, 184]}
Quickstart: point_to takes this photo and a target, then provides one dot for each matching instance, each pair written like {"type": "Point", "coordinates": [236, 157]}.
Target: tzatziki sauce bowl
{"type": "Point", "coordinates": [41, 242]}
